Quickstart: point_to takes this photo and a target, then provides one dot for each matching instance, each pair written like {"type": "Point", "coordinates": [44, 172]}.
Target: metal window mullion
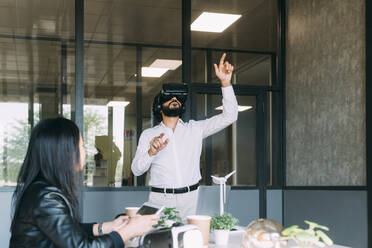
{"type": "Point", "coordinates": [208, 140]}
{"type": "Point", "coordinates": [63, 76]}
{"type": "Point", "coordinates": [78, 114]}
{"type": "Point", "coordinates": [261, 153]}
{"type": "Point", "coordinates": [141, 180]}
{"type": "Point", "coordinates": [186, 52]}
{"type": "Point", "coordinates": [79, 65]}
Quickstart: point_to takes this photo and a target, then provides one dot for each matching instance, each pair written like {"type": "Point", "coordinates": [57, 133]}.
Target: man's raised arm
{"type": "Point", "coordinates": [230, 106]}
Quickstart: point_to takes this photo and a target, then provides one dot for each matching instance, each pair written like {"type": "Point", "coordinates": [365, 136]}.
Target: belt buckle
{"type": "Point", "coordinates": [173, 191]}
{"type": "Point", "coordinates": [188, 189]}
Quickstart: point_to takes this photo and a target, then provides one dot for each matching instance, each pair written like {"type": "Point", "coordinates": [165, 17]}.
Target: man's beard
{"type": "Point", "coordinates": [171, 112]}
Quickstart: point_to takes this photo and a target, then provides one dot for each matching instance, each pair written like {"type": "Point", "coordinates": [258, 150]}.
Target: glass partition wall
{"type": "Point", "coordinates": [36, 73]}
{"type": "Point", "coordinates": [130, 49]}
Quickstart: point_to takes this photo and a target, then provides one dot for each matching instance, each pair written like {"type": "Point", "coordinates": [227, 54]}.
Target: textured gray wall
{"type": "Point", "coordinates": [325, 90]}
{"type": "Point", "coordinates": [344, 212]}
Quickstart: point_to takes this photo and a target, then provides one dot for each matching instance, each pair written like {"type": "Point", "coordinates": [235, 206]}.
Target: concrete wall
{"type": "Point", "coordinates": [344, 212]}
{"type": "Point", "coordinates": [325, 92]}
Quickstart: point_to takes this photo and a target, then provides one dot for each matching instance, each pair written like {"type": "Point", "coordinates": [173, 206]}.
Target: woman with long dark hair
{"type": "Point", "coordinates": [45, 202]}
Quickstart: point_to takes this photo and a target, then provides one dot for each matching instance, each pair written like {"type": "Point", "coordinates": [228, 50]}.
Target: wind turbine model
{"type": "Point", "coordinates": [222, 182]}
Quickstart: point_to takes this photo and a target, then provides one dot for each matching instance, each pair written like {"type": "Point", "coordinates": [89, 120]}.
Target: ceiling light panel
{"type": "Point", "coordinates": [240, 108]}
{"type": "Point", "coordinates": [117, 103]}
{"type": "Point", "coordinates": [213, 22]}
{"type": "Point", "coordinates": [153, 72]}
{"type": "Point", "coordinates": [171, 64]}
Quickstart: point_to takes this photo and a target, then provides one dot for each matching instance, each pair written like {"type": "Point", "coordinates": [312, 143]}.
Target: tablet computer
{"type": "Point", "coordinates": [150, 208]}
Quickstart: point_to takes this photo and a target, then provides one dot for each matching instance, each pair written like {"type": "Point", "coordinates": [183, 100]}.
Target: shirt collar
{"type": "Point", "coordinates": [180, 122]}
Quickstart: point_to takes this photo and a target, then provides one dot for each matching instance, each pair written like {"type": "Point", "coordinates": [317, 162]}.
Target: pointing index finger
{"type": "Point", "coordinates": [216, 68]}
{"type": "Point", "coordinates": [222, 59]}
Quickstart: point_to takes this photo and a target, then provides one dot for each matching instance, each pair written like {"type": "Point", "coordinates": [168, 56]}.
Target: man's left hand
{"type": "Point", "coordinates": [224, 71]}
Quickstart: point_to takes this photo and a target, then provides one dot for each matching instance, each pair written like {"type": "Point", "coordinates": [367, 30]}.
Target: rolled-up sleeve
{"type": "Point", "coordinates": [228, 116]}
{"type": "Point", "coordinates": [142, 160]}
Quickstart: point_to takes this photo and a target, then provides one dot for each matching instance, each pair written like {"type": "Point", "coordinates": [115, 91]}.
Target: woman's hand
{"type": "Point", "coordinates": [115, 225]}
{"type": "Point", "coordinates": [224, 71]}
{"type": "Point", "coordinates": [111, 226]}
{"type": "Point", "coordinates": [137, 226]}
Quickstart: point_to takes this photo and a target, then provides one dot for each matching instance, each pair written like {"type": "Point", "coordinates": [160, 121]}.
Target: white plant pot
{"type": "Point", "coordinates": [221, 237]}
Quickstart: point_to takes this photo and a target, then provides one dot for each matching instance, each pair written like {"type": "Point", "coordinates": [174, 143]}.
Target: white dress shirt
{"type": "Point", "coordinates": [178, 164]}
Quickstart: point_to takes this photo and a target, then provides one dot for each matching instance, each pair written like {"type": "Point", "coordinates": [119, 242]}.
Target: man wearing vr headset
{"type": "Point", "coordinates": [172, 149]}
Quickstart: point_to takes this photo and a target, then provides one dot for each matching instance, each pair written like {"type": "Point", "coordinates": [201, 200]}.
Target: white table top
{"type": "Point", "coordinates": [236, 237]}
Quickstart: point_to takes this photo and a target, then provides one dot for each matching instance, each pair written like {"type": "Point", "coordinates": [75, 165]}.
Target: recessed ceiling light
{"type": "Point", "coordinates": [213, 22]}
{"type": "Point", "coordinates": [117, 103]}
{"type": "Point", "coordinates": [153, 72]}
{"type": "Point", "coordinates": [171, 64]}
{"type": "Point", "coordinates": [240, 108]}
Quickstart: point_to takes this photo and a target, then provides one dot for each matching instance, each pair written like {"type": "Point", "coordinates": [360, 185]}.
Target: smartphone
{"type": "Point", "coordinates": [150, 208]}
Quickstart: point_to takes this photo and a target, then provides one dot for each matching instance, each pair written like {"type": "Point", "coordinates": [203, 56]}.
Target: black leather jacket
{"type": "Point", "coordinates": [45, 220]}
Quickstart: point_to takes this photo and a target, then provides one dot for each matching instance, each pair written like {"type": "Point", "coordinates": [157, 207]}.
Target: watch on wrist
{"type": "Point", "coordinates": [100, 231]}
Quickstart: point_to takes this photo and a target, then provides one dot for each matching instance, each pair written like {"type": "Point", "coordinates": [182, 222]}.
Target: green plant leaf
{"type": "Point", "coordinates": [290, 230]}
{"type": "Point", "coordinates": [316, 237]}
{"type": "Point", "coordinates": [223, 222]}
{"type": "Point", "coordinates": [313, 225]}
{"type": "Point", "coordinates": [324, 237]}
{"type": "Point", "coordinates": [168, 215]}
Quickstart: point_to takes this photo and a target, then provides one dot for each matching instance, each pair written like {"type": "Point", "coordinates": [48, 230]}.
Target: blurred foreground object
{"type": "Point", "coordinates": [307, 237]}
{"type": "Point", "coordinates": [263, 233]}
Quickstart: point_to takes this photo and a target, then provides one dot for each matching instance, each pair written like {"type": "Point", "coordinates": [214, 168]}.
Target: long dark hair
{"type": "Point", "coordinates": [52, 154]}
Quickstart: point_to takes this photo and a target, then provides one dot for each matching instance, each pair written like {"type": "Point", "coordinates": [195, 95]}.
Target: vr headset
{"type": "Point", "coordinates": [170, 90]}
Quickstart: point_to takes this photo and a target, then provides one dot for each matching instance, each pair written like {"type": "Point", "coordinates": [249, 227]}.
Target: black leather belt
{"type": "Point", "coordinates": [175, 190]}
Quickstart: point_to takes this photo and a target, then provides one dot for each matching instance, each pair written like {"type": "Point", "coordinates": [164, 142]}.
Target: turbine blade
{"type": "Point", "coordinates": [230, 174]}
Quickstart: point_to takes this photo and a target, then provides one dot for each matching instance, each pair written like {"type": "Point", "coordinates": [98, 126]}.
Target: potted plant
{"type": "Point", "coordinates": [221, 226]}
{"type": "Point", "coordinates": [306, 238]}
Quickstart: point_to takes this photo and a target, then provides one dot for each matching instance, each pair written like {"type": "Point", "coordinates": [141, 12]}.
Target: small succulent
{"type": "Point", "coordinates": [307, 237]}
{"type": "Point", "coordinates": [223, 222]}
{"type": "Point", "coordinates": [168, 217]}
